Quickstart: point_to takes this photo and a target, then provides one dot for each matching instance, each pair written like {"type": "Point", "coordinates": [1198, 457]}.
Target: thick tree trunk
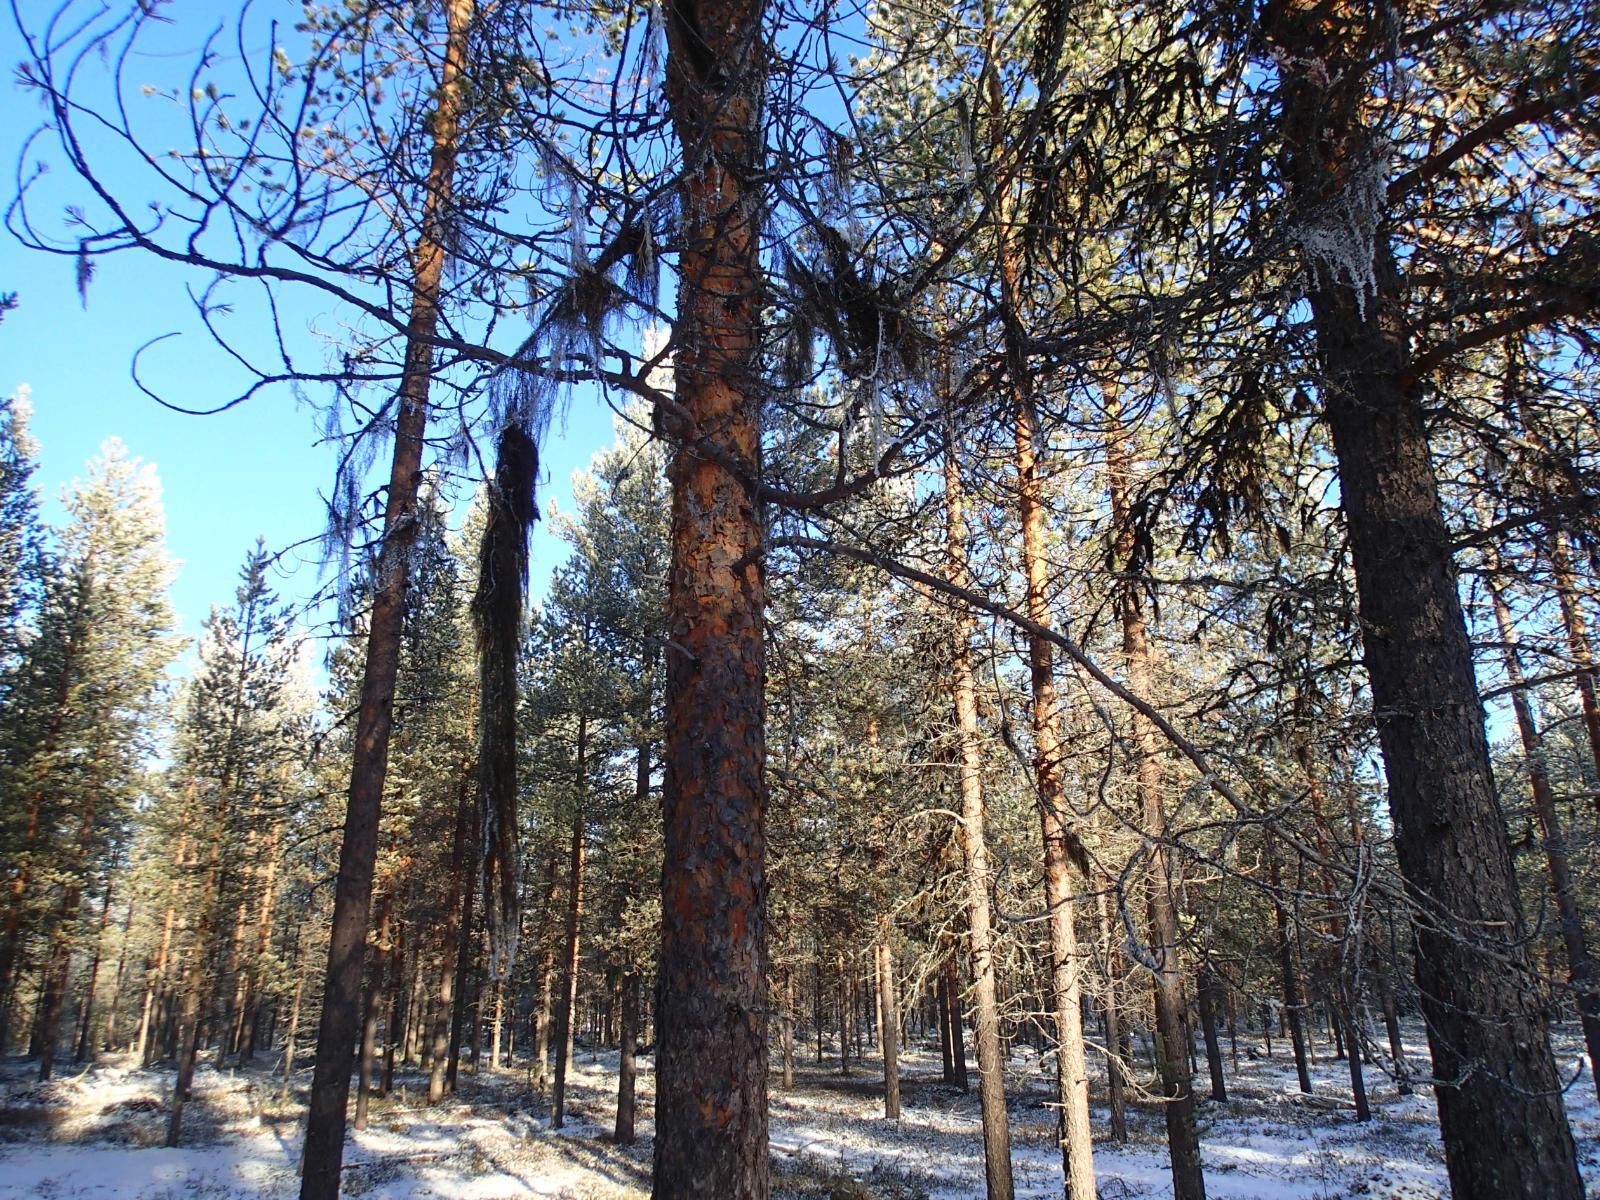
{"type": "Point", "coordinates": [1206, 1000]}
{"type": "Point", "coordinates": [986, 1023]}
{"type": "Point", "coordinates": [711, 1063]}
{"type": "Point", "coordinates": [1485, 1017]}
{"type": "Point", "coordinates": [336, 1033]}
{"type": "Point", "coordinates": [1580, 966]}
{"type": "Point", "coordinates": [1183, 1141]}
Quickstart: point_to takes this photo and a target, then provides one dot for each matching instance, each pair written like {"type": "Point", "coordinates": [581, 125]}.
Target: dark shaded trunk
{"type": "Point", "coordinates": [466, 962]}
{"type": "Point", "coordinates": [628, 1038]}
{"type": "Point", "coordinates": [566, 1001]}
{"type": "Point", "coordinates": [954, 1016]}
{"type": "Point", "coordinates": [942, 1006]}
{"type": "Point", "coordinates": [1111, 1015]}
{"type": "Point", "coordinates": [86, 1017]}
{"type": "Point", "coordinates": [1577, 629]}
{"type": "Point", "coordinates": [1397, 1046]}
{"type": "Point", "coordinates": [1206, 999]}
{"type": "Point", "coordinates": [369, 1027]}
{"type": "Point", "coordinates": [323, 1156]}
{"type": "Point", "coordinates": [399, 994]}
{"type": "Point", "coordinates": [711, 1063]}
{"type": "Point", "coordinates": [1345, 1015]}
{"type": "Point", "coordinates": [787, 1079]}
{"type": "Point", "coordinates": [497, 614]}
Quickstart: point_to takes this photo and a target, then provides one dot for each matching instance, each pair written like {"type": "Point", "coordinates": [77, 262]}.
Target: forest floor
{"type": "Point", "coordinates": [97, 1133]}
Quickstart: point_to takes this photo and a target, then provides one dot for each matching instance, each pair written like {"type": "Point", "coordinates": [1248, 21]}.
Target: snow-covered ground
{"type": "Point", "coordinates": [98, 1134]}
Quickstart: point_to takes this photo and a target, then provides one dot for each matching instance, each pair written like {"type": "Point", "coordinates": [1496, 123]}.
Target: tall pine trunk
{"type": "Point", "coordinates": [711, 1008]}
{"type": "Point", "coordinates": [975, 851]}
{"type": "Point", "coordinates": [358, 850]}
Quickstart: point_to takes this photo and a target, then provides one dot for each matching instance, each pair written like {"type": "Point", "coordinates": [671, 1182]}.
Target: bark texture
{"type": "Point", "coordinates": [711, 1007]}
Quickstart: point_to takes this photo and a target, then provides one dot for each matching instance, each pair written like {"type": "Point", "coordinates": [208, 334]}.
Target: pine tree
{"type": "Point", "coordinates": [87, 697]}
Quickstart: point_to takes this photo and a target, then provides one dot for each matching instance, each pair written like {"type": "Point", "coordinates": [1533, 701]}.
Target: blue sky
{"type": "Point", "coordinates": [253, 471]}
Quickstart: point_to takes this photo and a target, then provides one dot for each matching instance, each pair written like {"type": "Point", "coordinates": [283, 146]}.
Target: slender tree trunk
{"type": "Point", "coordinates": [1397, 1046]}
{"type": "Point", "coordinates": [156, 981]}
{"type": "Point", "coordinates": [451, 937]}
{"type": "Point", "coordinates": [1577, 629]}
{"type": "Point", "coordinates": [1075, 1135]}
{"type": "Point", "coordinates": [1292, 1007]}
{"type": "Point", "coordinates": [293, 1032]}
{"type": "Point", "coordinates": [1580, 966]}
{"type": "Point", "coordinates": [1116, 1077]}
{"type": "Point", "coordinates": [1206, 999]}
{"type": "Point", "coordinates": [844, 1014]}
{"type": "Point", "coordinates": [369, 1027]}
{"type": "Point", "coordinates": [399, 1016]}
{"type": "Point", "coordinates": [85, 1047]}
{"type": "Point", "coordinates": [628, 1039]}
{"type": "Point", "coordinates": [466, 960]}
{"type": "Point", "coordinates": [114, 1010]}
{"type": "Point", "coordinates": [787, 1081]}
{"type": "Point", "coordinates": [711, 1062]}
{"type": "Point", "coordinates": [991, 1061]}
{"type": "Point", "coordinates": [1183, 1141]}
{"type": "Point", "coordinates": [336, 1033]}
{"type": "Point", "coordinates": [577, 861]}
{"type": "Point", "coordinates": [958, 1033]}
{"type": "Point", "coordinates": [888, 1021]}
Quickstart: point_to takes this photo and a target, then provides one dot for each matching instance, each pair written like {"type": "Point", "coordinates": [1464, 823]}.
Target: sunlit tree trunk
{"type": "Point", "coordinates": [986, 1019]}
{"type": "Point", "coordinates": [358, 850]}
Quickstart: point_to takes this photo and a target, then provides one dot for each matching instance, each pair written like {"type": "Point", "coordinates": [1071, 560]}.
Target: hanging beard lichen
{"type": "Point", "coordinates": [497, 613]}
